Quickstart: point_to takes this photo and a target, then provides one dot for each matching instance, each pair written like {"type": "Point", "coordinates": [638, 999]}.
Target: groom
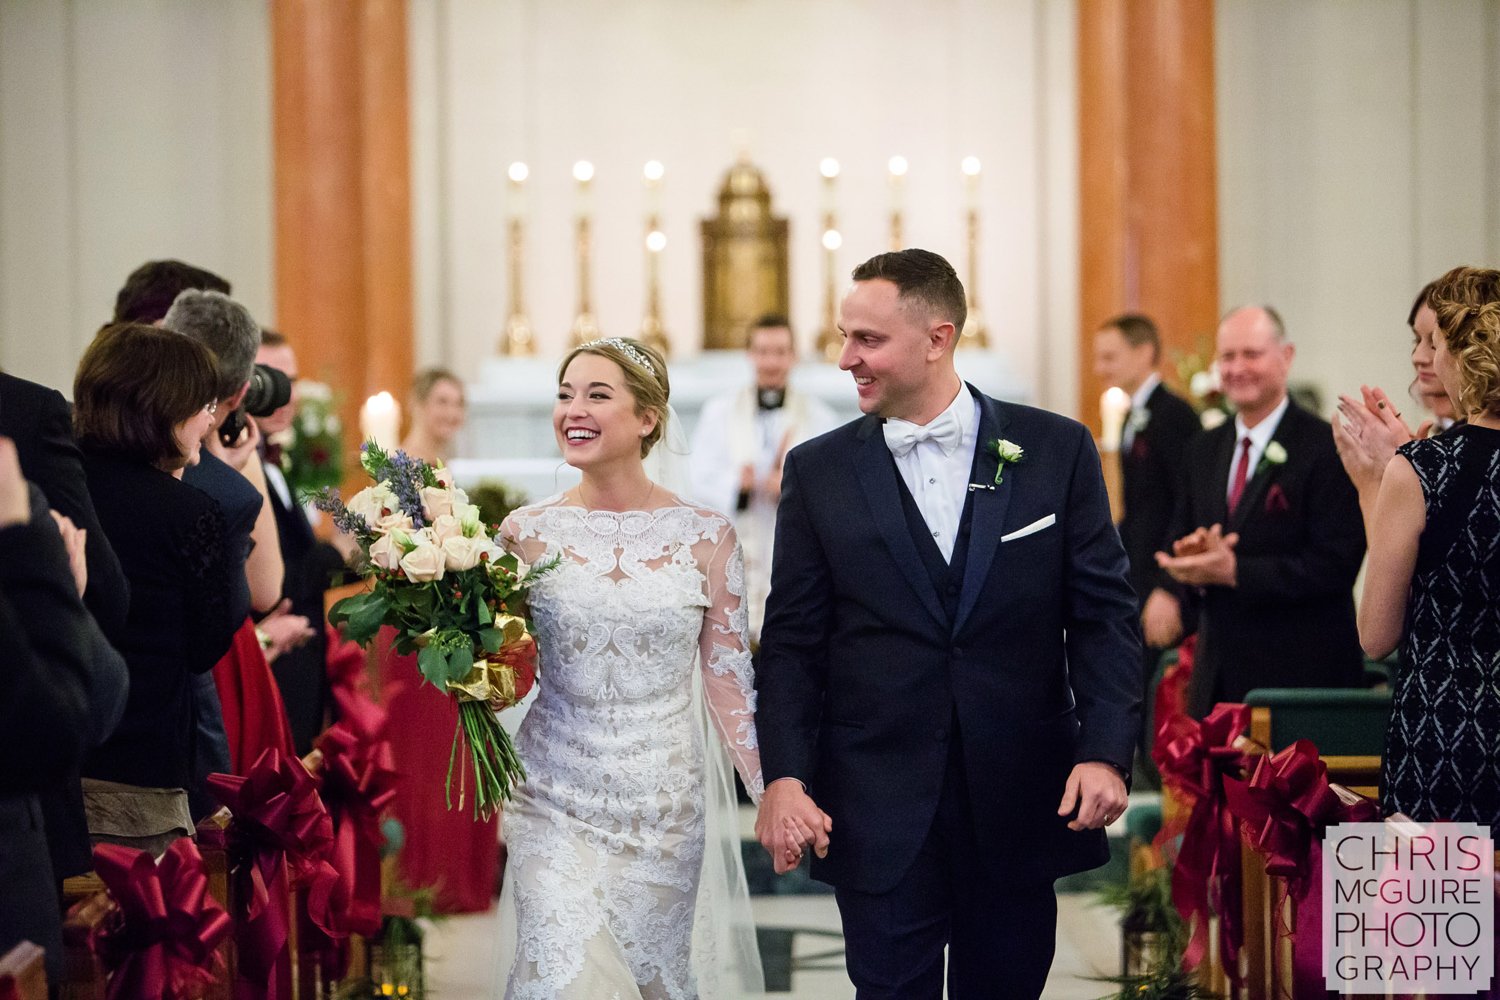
{"type": "Point", "coordinates": [950, 669]}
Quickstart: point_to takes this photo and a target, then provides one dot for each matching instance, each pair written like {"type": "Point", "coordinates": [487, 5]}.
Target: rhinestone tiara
{"type": "Point", "coordinates": [624, 347]}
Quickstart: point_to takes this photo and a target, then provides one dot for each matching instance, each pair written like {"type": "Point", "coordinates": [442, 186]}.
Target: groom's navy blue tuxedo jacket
{"type": "Point", "coordinates": [874, 649]}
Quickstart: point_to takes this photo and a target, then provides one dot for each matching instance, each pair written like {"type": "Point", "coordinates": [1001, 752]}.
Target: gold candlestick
{"type": "Point", "coordinates": [897, 167]}
{"type": "Point", "coordinates": [830, 344]}
{"type": "Point", "coordinates": [975, 333]}
{"type": "Point", "coordinates": [585, 327]}
{"type": "Point", "coordinates": [653, 331]}
{"type": "Point", "coordinates": [517, 340]}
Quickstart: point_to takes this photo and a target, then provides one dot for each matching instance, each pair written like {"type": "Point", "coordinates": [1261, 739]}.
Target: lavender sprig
{"type": "Point", "coordinates": [328, 501]}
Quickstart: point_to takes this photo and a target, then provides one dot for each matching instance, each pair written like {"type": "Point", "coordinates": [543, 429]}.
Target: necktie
{"type": "Point", "coordinates": [901, 436]}
{"type": "Point", "coordinates": [770, 399]}
{"type": "Point", "coordinates": [1241, 473]}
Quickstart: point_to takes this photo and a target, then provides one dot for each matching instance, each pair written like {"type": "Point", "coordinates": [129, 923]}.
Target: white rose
{"type": "Point", "coordinates": [369, 502]}
{"type": "Point", "coordinates": [465, 553]}
{"type": "Point", "coordinates": [437, 501]}
{"type": "Point", "coordinates": [386, 551]}
{"type": "Point", "coordinates": [395, 521]}
{"type": "Point", "coordinates": [444, 527]}
{"type": "Point", "coordinates": [423, 563]}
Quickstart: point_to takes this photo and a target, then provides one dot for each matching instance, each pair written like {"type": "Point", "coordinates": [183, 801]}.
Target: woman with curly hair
{"type": "Point", "coordinates": [1433, 579]}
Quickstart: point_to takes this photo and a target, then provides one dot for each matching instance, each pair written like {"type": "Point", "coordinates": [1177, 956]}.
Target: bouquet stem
{"type": "Point", "coordinates": [488, 749]}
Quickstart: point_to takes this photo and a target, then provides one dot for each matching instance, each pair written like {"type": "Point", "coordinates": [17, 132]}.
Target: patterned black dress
{"type": "Point", "coordinates": [1442, 756]}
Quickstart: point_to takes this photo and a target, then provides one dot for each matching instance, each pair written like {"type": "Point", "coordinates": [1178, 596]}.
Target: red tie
{"type": "Point", "coordinates": [1241, 473]}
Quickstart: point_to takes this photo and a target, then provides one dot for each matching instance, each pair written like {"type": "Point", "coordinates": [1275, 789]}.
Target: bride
{"type": "Point", "coordinates": [623, 874]}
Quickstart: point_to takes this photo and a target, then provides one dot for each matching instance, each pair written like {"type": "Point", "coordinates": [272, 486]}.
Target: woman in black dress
{"type": "Point", "coordinates": [1433, 579]}
{"type": "Point", "coordinates": [143, 399]}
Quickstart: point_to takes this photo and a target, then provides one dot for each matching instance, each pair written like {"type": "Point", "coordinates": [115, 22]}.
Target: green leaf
{"type": "Point", "coordinates": [492, 638]}
{"type": "Point", "coordinates": [366, 619]}
{"type": "Point", "coordinates": [460, 662]}
{"type": "Point", "coordinates": [433, 665]}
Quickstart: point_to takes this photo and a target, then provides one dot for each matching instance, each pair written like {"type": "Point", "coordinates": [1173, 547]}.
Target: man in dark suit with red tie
{"type": "Point", "coordinates": [1268, 537]}
{"type": "Point", "coordinates": [1153, 446]}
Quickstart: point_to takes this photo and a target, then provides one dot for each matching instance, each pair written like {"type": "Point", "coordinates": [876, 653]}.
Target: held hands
{"type": "Point", "coordinates": [1204, 558]}
{"type": "Point", "coordinates": [283, 630]}
{"type": "Point", "coordinates": [1098, 792]}
{"type": "Point", "coordinates": [788, 822]}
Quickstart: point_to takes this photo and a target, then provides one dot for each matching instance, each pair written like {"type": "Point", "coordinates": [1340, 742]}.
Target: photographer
{"type": "Point", "coordinates": [229, 473]}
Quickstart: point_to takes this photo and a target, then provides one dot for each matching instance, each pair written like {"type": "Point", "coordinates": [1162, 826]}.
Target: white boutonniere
{"type": "Point", "coordinates": [1275, 455]}
{"type": "Point", "coordinates": [1007, 453]}
{"type": "Point", "coordinates": [1138, 420]}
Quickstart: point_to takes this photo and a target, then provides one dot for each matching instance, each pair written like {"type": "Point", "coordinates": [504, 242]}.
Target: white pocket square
{"type": "Point", "coordinates": [1031, 528]}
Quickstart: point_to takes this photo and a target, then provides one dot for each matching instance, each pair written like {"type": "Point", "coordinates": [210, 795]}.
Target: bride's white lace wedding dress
{"type": "Point", "coordinates": [608, 836]}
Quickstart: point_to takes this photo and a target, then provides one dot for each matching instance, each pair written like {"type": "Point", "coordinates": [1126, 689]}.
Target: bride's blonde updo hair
{"type": "Point", "coordinates": [645, 377]}
{"type": "Point", "coordinates": [1467, 303]}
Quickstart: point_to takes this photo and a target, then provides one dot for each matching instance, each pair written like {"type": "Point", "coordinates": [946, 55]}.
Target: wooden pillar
{"type": "Point", "coordinates": [1148, 202]}
{"type": "Point", "coordinates": [343, 195]}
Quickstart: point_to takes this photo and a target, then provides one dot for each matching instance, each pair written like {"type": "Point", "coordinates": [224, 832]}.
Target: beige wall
{"type": "Point", "coordinates": [676, 80]}
{"type": "Point", "coordinates": [128, 130]}
{"type": "Point", "coordinates": [1359, 150]}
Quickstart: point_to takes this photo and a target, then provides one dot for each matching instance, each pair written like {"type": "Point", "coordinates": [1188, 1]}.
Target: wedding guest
{"type": "Point", "coordinates": [151, 289]}
{"type": "Point", "coordinates": [44, 704]}
{"type": "Point", "coordinates": [224, 326]}
{"type": "Point", "coordinates": [741, 442]}
{"type": "Point", "coordinates": [1268, 538]}
{"type": "Point", "coordinates": [437, 412]}
{"type": "Point", "coordinates": [144, 398]}
{"type": "Point", "coordinates": [40, 422]}
{"type": "Point", "coordinates": [1370, 429]}
{"type": "Point", "coordinates": [1153, 446]}
{"type": "Point", "coordinates": [1433, 582]}
{"type": "Point", "coordinates": [296, 655]}
{"type": "Point", "coordinates": [448, 850]}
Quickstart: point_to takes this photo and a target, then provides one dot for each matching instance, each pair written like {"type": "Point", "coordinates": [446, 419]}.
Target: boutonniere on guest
{"type": "Point", "coordinates": [1138, 420]}
{"type": "Point", "coordinates": [1275, 455]}
{"type": "Point", "coordinates": [1276, 501]}
{"type": "Point", "coordinates": [1008, 453]}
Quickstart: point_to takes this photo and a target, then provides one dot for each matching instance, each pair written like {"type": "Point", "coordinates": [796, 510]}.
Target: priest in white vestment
{"type": "Point", "coordinates": [740, 444]}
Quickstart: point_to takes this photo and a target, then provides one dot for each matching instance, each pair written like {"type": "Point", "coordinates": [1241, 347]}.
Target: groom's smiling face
{"type": "Point", "coordinates": [890, 348]}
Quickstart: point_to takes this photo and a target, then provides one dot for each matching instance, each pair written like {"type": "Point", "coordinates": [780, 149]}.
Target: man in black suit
{"type": "Point", "coordinates": [45, 694]}
{"type": "Point", "coordinates": [950, 682]}
{"type": "Point", "coordinates": [1268, 533]}
{"type": "Point", "coordinates": [1153, 444]}
{"type": "Point", "coordinates": [40, 422]}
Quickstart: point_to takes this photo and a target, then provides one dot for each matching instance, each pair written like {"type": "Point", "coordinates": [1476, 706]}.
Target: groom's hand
{"type": "Point", "coordinates": [1098, 792]}
{"type": "Point", "coordinates": [788, 815]}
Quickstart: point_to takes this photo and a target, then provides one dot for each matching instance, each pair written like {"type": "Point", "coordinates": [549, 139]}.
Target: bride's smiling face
{"type": "Point", "coordinates": [596, 419]}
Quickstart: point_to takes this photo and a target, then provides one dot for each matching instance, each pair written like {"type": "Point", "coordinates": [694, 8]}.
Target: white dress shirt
{"type": "Point", "coordinates": [1260, 436]}
{"type": "Point", "coordinates": [1137, 406]}
{"type": "Point", "coordinates": [939, 479]}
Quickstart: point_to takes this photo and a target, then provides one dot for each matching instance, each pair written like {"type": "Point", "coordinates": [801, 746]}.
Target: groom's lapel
{"type": "Point", "coordinates": [877, 475]}
{"type": "Point", "coordinates": [988, 516]}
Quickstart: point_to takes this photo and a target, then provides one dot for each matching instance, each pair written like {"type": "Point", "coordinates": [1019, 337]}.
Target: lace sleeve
{"type": "Point", "coordinates": [724, 652]}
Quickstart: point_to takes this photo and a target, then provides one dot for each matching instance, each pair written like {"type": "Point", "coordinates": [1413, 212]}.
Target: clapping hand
{"type": "Point", "coordinates": [75, 540]}
{"type": "Point", "coordinates": [1367, 434]}
{"type": "Point", "coordinates": [1204, 558]}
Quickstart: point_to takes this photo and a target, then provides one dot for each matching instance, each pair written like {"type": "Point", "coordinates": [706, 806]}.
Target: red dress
{"type": "Point", "coordinates": [254, 718]}
{"type": "Point", "coordinates": [449, 850]}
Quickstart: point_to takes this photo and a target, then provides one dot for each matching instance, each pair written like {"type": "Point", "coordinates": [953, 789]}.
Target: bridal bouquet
{"type": "Point", "coordinates": [452, 595]}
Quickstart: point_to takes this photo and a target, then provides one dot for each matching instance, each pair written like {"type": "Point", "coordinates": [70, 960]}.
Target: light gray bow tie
{"type": "Point", "coordinates": [901, 436]}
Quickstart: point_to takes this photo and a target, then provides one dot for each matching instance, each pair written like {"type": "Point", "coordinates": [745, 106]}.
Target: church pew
{"type": "Point", "coordinates": [83, 974]}
{"type": "Point", "coordinates": [23, 973]}
{"type": "Point", "coordinates": [220, 887]}
{"type": "Point", "coordinates": [1346, 724]}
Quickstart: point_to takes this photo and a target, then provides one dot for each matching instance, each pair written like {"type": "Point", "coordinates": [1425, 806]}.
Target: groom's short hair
{"type": "Point", "coordinates": [922, 277]}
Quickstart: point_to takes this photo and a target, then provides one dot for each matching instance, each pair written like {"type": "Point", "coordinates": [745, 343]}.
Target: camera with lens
{"type": "Point", "coordinates": [269, 391]}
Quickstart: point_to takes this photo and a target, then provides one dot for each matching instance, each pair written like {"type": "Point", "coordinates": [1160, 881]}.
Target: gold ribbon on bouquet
{"type": "Point", "coordinates": [493, 676]}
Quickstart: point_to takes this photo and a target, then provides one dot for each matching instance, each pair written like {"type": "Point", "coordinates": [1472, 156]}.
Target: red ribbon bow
{"type": "Point", "coordinates": [281, 834]}
{"type": "Point", "coordinates": [358, 782]}
{"type": "Point", "coordinates": [344, 665]}
{"type": "Point", "coordinates": [1194, 759]}
{"type": "Point", "coordinates": [162, 941]}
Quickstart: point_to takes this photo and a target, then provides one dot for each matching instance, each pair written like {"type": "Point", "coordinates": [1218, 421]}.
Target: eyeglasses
{"type": "Point", "coordinates": [212, 407]}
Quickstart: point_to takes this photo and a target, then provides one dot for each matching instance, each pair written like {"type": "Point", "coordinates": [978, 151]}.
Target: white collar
{"type": "Point", "coordinates": [1260, 434]}
{"type": "Point", "coordinates": [1139, 397]}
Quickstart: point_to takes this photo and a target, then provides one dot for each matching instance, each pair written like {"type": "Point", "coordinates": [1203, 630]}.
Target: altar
{"type": "Point", "coordinates": [509, 435]}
